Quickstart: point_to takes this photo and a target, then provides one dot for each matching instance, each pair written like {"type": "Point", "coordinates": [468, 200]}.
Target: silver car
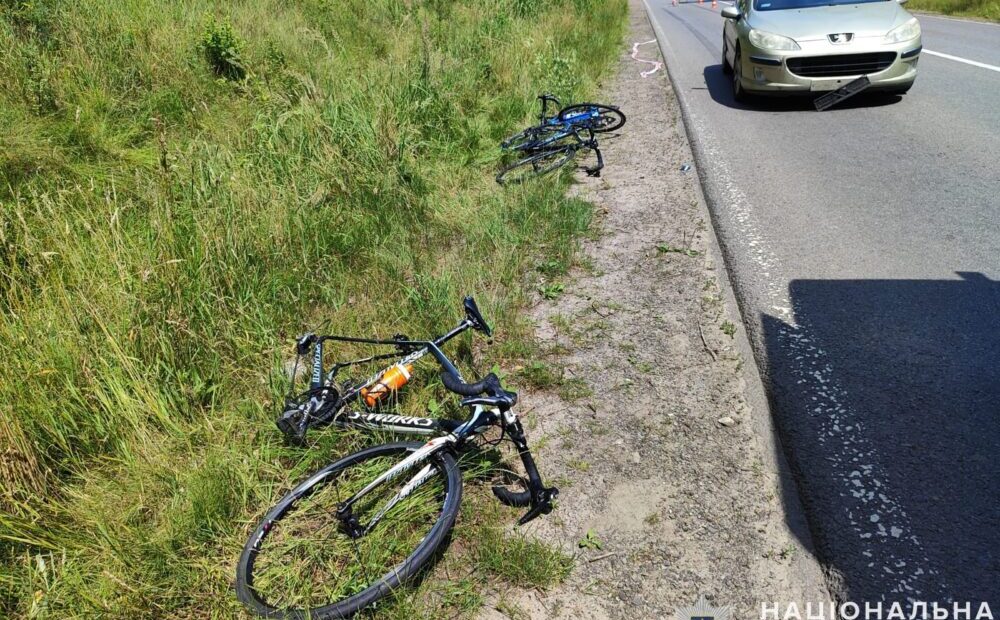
{"type": "Point", "coordinates": [788, 46]}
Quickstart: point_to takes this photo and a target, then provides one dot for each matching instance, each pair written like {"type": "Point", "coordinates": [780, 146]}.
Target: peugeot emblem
{"type": "Point", "coordinates": [841, 37]}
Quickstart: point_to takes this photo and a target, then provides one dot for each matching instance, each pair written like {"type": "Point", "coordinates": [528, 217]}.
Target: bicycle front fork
{"type": "Point", "coordinates": [539, 497]}
{"type": "Point", "coordinates": [596, 170]}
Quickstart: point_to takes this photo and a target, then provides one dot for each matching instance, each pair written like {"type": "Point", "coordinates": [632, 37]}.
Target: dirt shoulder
{"type": "Point", "coordinates": [666, 459]}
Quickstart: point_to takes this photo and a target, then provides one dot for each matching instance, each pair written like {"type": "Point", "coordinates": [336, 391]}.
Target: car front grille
{"type": "Point", "coordinates": [841, 64]}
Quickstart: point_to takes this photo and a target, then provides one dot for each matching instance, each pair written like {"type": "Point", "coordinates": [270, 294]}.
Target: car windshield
{"type": "Point", "coordinates": [777, 5]}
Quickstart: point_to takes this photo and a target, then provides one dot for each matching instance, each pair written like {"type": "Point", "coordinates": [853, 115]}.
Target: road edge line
{"type": "Point", "coordinates": [974, 63]}
{"type": "Point", "coordinates": [952, 18]}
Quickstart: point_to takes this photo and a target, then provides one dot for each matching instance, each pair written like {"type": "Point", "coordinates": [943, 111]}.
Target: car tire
{"type": "Point", "coordinates": [739, 93]}
{"type": "Point", "coordinates": [726, 68]}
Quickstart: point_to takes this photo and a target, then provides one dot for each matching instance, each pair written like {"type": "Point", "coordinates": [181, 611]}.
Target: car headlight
{"type": "Point", "coordinates": [768, 41]}
{"type": "Point", "coordinates": [909, 30]}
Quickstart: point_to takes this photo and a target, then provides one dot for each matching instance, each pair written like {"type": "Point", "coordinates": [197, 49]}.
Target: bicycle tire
{"type": "Point", "coordinates": [536, 165]}
{"type": "Point", "coordinates": [609, 118]}
{"type": "Point", "coordinates": [248, 574]}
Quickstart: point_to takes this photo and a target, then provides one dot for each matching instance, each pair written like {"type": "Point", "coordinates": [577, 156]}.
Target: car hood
{"type": "Point", "coordinates": [868, 19]}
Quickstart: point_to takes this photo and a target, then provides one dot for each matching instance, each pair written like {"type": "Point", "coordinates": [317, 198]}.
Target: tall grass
{"type": "Point", "coordinates": [985, 9]}
{"type": "Point", "coordinates": [184, 186]}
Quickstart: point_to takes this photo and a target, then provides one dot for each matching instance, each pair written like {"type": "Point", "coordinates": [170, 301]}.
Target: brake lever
{"type": "Point", "coordinates": [303, 344]}
{"type": "Point", "coordinates": [542, 504]}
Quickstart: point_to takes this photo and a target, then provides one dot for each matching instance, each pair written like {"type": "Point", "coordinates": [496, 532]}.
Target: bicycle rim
{"type": "Point", "coordinates": [535, 165]}
{"type": "Point", "coordinates": [608, 118]}
{"type": "Point", "coordinates": [301, 562]}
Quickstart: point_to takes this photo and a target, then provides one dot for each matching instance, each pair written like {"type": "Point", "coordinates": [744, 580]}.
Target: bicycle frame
{"type": "Point", "coordinates": [570, 120]}
{"type": "Point", "coordinates": [568, 129]}
{"type": "Point", "coordinates": [574, 119]}
{"type": "Point", "coordinates": [412, 358]}
{"type": "Point", "coordinates": [322, 383]}
{"type": "Point", "coordinates": [413, 425]}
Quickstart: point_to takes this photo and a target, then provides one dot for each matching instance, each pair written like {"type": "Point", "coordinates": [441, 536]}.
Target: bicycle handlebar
{"type": "Point", "coordinates": [545, 99]}
{"type": "Point", "coordinates": [490, 384]}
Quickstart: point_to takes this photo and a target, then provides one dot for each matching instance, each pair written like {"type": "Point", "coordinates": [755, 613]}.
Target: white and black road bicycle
{"type": "Point", "coordinates": [356, 530]}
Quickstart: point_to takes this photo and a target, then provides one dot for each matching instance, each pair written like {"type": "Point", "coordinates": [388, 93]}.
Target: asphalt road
{"type": "Point", "coordinates": [864, 245]}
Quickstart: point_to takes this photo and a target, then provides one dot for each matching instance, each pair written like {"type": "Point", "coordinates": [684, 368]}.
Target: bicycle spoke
{"type": "Point", "coordinates": [354, 545]}
{"type": "Point", "coordinates": [310, 556]}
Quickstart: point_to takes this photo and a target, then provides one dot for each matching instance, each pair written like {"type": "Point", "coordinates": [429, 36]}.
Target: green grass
{"type": "Point", "coordinates": [520, 560]}
{"type": "Point", "coordinates": [983, 9]}
{"type": "Point", "coordinates": [728, 328]}
{"type": "Point", "coordinates": [183, 188]}
{"type": "Point", "coordinates": [540, 375]}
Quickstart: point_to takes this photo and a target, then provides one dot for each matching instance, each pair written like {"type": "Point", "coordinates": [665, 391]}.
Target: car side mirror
{"type": "Point", "coordinates": [902, 1]}
{"type": "Point", "coordinates": [731, 12]}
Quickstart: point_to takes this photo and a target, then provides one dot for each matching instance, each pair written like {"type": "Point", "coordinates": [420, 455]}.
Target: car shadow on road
{"type": "Point", "coordinates": [720, 88]}
{"type": "Point", "coordinates": [886, 394]}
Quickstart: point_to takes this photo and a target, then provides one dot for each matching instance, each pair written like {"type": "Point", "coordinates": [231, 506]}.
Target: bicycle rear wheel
{"type": "Point", "coordinates": [594, 116]}
{"type": "Point", "coordinates": [305, 561]}
{"type": "Point", "coordinates": [535, 165]}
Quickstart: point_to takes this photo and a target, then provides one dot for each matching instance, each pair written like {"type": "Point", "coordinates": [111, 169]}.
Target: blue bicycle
{"type": "Point", "coordinates": [557, 139]}
{"type": "Point", "coordinates": [552, 129]}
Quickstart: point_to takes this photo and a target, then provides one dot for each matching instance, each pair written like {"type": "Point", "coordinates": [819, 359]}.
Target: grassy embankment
{"type": "Point", "coordinates": [982, 9]}
{"type": "Point", "coordinates": [178, 198]}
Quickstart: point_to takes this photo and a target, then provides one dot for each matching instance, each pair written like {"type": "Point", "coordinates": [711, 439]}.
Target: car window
{"type": "Point", "coordinates": [777, 5]}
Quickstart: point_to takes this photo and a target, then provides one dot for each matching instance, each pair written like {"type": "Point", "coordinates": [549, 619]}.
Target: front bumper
{"type": "Point", "coordinates": [767, 71]}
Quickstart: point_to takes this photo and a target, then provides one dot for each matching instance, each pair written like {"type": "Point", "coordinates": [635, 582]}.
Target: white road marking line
{"type": "Point", "coordinates": [954, 19]}
{"type": "Point", "coordinates": [974, 63]}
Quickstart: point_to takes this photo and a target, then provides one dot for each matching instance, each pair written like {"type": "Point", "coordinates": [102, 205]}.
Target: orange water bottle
{"type": "Point", "coordinates": [391, 380]}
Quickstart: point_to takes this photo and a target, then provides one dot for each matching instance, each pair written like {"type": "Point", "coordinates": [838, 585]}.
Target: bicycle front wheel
{"type": "Point", "coordinates": [535, 165]}
{"type": "Point", "coordinates": [594, 116]}
{"type": "Point", "coordinates": [306, 560]}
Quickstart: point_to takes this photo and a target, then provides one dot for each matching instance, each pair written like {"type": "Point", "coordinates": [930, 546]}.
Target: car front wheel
{"type": "Point", "coordinates": [739, 93]}
{"type": "Point", "coordinates": [728, 70]}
